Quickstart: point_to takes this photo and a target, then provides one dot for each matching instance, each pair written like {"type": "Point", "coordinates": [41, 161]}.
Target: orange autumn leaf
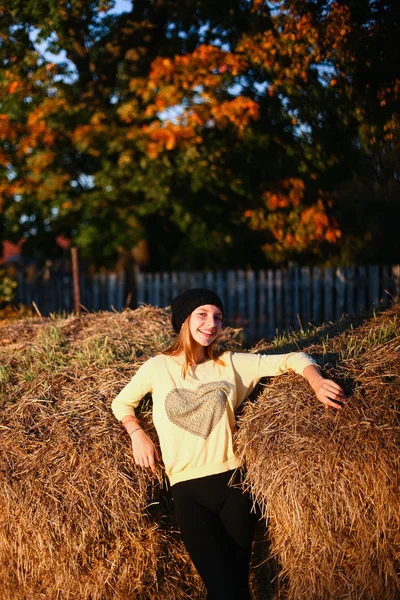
{"type": "Point", "coordinates": [286, 50]}
{"type": "Point", "coordinates": [239, 112]}
{"type": "Point", "coordinates": [12, 88]}
{"type": "Point", "coordinates": [8, 129]}
{"type": "Point", "coordinates": [294, 227]}
{"type": "Point", "coordinates": [288, 193]}
{"type": "Point", "coordinates": [38, 162]}
{"type": "Point", "coordinates": [203, 67]}
{"type": "Point", "coordinates": [167, 137]}
{"type": "Point", "coordinates": [318, 224]}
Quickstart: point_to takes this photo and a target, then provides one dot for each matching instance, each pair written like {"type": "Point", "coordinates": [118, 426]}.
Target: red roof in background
{"type": "Point", "coordinates": [10, 250]}
{"type": "Point", "coordinates": [63, 242]}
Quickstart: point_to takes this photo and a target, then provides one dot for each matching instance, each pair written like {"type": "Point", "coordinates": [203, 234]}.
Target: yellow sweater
{"type": "Point", "coordinates": [195, 417]}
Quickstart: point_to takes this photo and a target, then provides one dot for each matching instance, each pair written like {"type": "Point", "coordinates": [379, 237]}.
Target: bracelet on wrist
{"type": "Point", "coordinates": [130, 419]}
{"type": "Point", "coordinates": [315, 379]}
{"type": "Point", "coordinates": [137, 429]}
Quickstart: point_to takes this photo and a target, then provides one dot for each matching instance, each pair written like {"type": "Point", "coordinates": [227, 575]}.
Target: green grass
{"type": "Point", "coordinates": [96, 351]}
{"type": "Point", "coordinates": [355, 345]}
{"type": "Point", "coordinates": [48, 354]}
{"type": "Point", "coordinates": [4, 374]}
{"type": "Point", "coordinates": [292, 337]}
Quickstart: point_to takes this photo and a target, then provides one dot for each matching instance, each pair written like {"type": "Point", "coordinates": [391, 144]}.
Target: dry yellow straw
{"type": "Point", "coordinates": [327, 482]}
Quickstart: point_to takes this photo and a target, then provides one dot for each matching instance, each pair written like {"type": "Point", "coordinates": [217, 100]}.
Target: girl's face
{"type": "Point", "coordinates": [205, 324]}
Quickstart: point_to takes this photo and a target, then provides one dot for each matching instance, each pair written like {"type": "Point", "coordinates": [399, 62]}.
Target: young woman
{"type": "Point", "coordinates": [196, 392]}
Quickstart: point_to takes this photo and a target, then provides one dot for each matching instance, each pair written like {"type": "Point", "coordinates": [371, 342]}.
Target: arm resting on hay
{"type": "Point", "coordinates": [327, 391]}
{"type": "Point", "coordinates": [250, 368]}
{"type": "Point", "coordinates": [277, 364]}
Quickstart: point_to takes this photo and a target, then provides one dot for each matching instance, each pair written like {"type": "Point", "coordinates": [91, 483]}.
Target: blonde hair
{"type": "Point", "coordinates": [185, 344]}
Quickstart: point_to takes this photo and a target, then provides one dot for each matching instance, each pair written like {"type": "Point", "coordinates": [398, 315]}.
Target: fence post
{"type": "Point", "coordinates": [373, 285]}
{"type": "Point", "coordinates": [340, 290]}
{"type": "Point", "coordinates": [140, 282]}
{"type": "Point", "coordinates": [361, 283]}
{"type": "Point", "coordinates": [67, 293]}
{"type": "Point", "coordinates": [175, 285]}
{"type": "Point", "coordinates": [210, 283]}
{"type": "Point", "coordinates": [75, 278]}
{"type": "Point", "coordinates": [195, 280]}
{"type": "Point", "coordinates": [261, 304]}
{"type": "Point", "coordinates": [103, 291]}
{"type": "Point", "coordinates": [296, 297]}
{"type": "Point", "coordinates": [241, 285]}
{"type": "Point", "coordinates": [385, 286]}
{"type": "Point", "coordinates": [231, 294]}
{"type": "Point", "coordinates": [328, 289]}
{"type": "Point", "coordinates": [149, 288]}
{"type": "Point", "coordinates": [350, 290]}
{"type": "Point", "coordinates": [156, 290]}
{"type": "Point", "coordinates": [182, 282]}
{"type": "Point", "coordinates": [288, 301]}
{"type": "Point", "coordinates": [251, 303]}
{"type": "Point", "coordinates": [165, 290]}
{"type": "Point", "coordinates": [271, 311]}
{"type": "Point", "coordinates": [278, 298]}
{"type": "Point", "coordinates": [119, 301]}
{"type": "Point", "coordinates": [220, 287]}
{"type": "Point", "coordinates": [111, 290]}
{"type": "Point", "coordinates": [20, 296]}
{"type": "Point", "coordinates": [316, 312]}
{"type": "Point", "coordinates": [305, 296]}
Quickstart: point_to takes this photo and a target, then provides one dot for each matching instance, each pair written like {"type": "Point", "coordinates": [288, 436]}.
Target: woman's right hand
{"type": "Point", "coordinates": [144, 451]}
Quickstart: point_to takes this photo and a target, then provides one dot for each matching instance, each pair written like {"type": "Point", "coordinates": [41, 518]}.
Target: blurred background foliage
{"type": "Point", "coordinates": [201, 134]}
{"type": "Point", "coordinates": [7, 288]}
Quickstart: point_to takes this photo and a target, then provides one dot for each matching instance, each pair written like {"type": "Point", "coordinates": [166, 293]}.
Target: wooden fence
{"type": "Point", "coordinates": [271, 301]}
{"type": "Point", "coordinates": [105, 291]}
{"type": "Point", "coordinates": [264, 303]}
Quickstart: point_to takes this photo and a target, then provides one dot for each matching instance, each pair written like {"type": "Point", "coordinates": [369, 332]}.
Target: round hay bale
{"type": "Point", "coordinates": [77, 518]}
{"type": "Point", "coordinates": [327, 482]}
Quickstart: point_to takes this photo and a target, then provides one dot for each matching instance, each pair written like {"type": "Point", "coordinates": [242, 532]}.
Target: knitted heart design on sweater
{"type": "Point", "coordinates": [198, 411]}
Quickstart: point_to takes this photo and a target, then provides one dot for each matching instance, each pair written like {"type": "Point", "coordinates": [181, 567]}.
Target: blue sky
{"type": "Point", "coordinates": [121, 6]}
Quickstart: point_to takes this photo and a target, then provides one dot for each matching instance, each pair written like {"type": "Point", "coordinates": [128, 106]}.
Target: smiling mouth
{"type": "Point", "coordinates": [207, 333]}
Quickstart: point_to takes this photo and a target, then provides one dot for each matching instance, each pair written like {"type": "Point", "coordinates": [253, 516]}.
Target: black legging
{"type": "Point", "coordinates": [217, 529]}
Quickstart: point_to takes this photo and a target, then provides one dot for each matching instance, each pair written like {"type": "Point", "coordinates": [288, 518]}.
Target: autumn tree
{"type": "Point", "coordinates": [220, 133]}
{"type": "Point", "coordinates": [335, 66]}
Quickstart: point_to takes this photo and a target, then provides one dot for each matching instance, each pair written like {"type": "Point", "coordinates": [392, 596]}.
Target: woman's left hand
{"type": "Point", "coordinates": [329, 393]}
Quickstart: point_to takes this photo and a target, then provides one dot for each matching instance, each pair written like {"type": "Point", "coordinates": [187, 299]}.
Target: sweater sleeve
{"type": "Point", "coordinates": [130, 396]}
{"type": "Point", "coordinates": [250, 368]}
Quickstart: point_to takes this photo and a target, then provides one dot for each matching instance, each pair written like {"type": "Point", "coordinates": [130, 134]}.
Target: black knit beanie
{"type": "Point", "coordinates": [182, 306]}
